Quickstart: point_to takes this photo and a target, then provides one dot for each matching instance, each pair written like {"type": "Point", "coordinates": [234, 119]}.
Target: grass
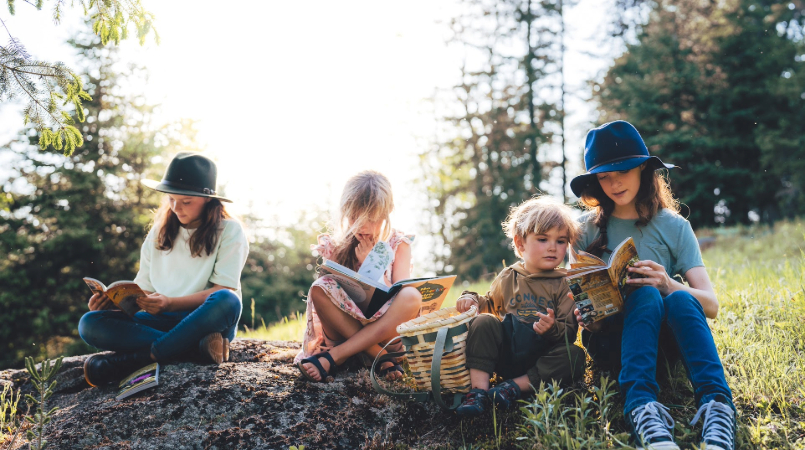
{"type": "Point", "coordinates": [759, 276]}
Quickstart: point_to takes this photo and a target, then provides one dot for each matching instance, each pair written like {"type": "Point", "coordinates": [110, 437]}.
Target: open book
{"type": "Point", "coordinates": [367, 284]}
{"type": "Point", "coordinates": [600, 288]}
{"type": "Point", "coordinates": [124, 294]}
{"type": "Point", "coordinates": [141, 379]}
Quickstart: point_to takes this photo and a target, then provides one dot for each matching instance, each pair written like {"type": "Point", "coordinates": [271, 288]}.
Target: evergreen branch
{"type": "Point", "coordinates": [36, 101]}
{"type": "Point", "coordinates": [110, 20]}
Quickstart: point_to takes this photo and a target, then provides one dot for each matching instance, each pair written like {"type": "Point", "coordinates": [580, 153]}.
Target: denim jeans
{"type": "Point", "coordinates": [167, 335]}
{"type": "Point", "coordinates": [678, 324]}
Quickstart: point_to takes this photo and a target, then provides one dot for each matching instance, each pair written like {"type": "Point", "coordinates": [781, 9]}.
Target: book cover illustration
{"type": "Point", "coordinates": [142, 379]}
{"type": "Point", "coordinates": [124, 294]}
{"type": "Point", "coordinates": [599, 289]}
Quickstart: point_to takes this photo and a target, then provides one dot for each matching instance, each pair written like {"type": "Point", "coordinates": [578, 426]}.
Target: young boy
{"type": "Point", "coordinates": [527, 329]}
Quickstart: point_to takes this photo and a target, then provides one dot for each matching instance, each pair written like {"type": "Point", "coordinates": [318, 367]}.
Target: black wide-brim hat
{"type": "Point", "coordinates": [612, 147]}
{"type": "Point", "coordinates": [189, 173]}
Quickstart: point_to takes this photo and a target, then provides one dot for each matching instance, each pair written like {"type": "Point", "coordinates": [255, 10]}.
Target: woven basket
{"type": "Point", "coordinates": [419, 339]}
{"type": "Point", "coordinates": [435, 343]}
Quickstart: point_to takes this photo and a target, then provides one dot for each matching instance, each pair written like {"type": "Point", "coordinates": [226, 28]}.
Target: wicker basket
{"type": "Point", "coordinates": [419, 339]}
{"type": "Point", "coordinates": [434, 343]}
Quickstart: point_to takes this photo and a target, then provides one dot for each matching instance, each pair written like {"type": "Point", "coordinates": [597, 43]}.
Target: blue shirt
{"type": "Point", "coordinates": [668, 240]}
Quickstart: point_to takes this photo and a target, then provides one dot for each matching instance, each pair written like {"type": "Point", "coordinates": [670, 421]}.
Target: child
{"type": "Point", "coordinates": [534, 341]}
{"type": "Point", "coordinates": [338, 326]}
{"type": "Point", "coordinates": [627, 197]}
{"type": "Point", "coordinates": [190, 265]}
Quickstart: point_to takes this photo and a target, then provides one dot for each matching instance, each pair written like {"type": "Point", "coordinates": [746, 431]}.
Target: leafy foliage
{"type": "Point", "coordinates": [8, 414]}
{"type": "Point", "coordinates": [51, 87]}
{"type": "Point", "coordinates": [280, 268]}
{"type": "Point", "coordinates": [48, 87]}
{"type": "Point", "coordinates": [41, 379]}
{"type": "Point", "coordinates": [717, 89]}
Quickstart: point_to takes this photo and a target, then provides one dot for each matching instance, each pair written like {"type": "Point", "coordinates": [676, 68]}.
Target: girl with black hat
{"type": "Point", "coordinates": [627, 197]}
{"type": "Point", "coordinates": [190, 263]}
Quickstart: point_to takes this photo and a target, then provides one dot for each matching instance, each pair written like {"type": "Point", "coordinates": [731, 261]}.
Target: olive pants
{"type": "Point", "coordinates": [489, 349]}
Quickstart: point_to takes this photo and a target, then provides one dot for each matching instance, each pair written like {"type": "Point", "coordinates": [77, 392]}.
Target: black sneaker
{"type": "Point", "coordinates": [718, 432]}
{"type": "Point", "coordinates": [505, 394]}
{"type": "Point", "coordinates": [104, 369]}
{"type": "Point", "coordinates": [651, 426]}
{"type": "Point", "coordinates": [475, 402]}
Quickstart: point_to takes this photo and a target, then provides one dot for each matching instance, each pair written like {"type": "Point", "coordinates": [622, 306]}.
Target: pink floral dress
{"type": "Point", "coordinates": [314, 340]}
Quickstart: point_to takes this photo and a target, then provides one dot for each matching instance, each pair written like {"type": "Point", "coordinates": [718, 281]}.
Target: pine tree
{"type": "Point", "coordinates": [488, 156]}
{"type": "Point", "coordinates": [81, 215]}
{"type": "Point", "coordinates": [705, 85]}
{"type": "Point", "coordinates": [52, 90]}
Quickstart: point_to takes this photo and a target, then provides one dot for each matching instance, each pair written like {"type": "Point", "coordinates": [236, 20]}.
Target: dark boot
{"type": "Point", "coordinates": [214, 347]}
{"type": "Point", "coordinates": [103, 369]}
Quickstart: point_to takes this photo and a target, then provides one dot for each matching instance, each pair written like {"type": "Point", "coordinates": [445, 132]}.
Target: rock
{"type": "Point", "coordinates": [255, 401]}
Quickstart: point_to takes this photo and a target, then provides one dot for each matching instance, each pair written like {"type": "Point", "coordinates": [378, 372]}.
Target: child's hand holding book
{"type": "Point", "coordinates": [100, 301]}
{"type": "Point", "coordinates": [591, 327]}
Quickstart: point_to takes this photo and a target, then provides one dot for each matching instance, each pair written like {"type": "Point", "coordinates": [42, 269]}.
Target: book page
{"type": "Point", "coordinates": [96, 286]}
{"type": "Point", "coordinates": [583, 259]}
{"type": "Point", "coordinates": [595, 295]}
{"type": "Point", "coordinates": [433, 290]}
{"type": "Point", "coordinates": [376, 262]}
{"type": "Point", "coordinates": [332, 267]}
{"type": "Point", "coordinates": [623, 257]}
{"type": "Point", "coordinates": [125, 295]}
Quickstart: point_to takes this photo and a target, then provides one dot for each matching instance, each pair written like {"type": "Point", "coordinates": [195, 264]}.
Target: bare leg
{"type": "Point", "coordinates": [339, 325]}
{"type": "Point", "coordinates": [523, 383]}
{"type": "Point", "coordinates": [479, 379]}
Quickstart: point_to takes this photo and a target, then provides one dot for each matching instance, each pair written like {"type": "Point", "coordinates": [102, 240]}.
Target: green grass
{"type": "Point", "coordinates": [759, 276]}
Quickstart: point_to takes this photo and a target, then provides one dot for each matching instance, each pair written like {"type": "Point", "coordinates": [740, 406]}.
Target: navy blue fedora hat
{"type": "Point", "coordinates": [614, 146]}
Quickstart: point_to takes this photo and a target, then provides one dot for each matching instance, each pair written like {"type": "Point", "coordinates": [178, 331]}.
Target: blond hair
{"type": "Point", "coordinates": [366, 198]}
{"type": "Point", "coordinates": [539, 215]}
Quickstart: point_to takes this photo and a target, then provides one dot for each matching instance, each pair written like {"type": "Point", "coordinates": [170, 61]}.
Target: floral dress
{"type": "Point", "coordinates": [314, 340]}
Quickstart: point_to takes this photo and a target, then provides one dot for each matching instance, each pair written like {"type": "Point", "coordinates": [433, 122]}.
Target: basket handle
{"type": "Point", "coordinates": [436, 370]}
{"type": "Point", "coordinates": [417, 396]}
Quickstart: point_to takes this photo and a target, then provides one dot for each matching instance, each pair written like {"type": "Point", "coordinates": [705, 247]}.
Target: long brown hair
{"type": "Point", "coordinates": [206, 235]}
{"type": "Point", "coordinates": [654, 194]}
{"type": "Point", "coordinates": [366, 198]}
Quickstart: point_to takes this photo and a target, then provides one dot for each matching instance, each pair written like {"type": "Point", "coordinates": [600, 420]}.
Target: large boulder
{"type": "Point", "coordinates": [255, 401]}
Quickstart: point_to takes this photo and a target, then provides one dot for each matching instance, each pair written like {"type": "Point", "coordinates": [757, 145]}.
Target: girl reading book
{"type": "Point", "coordinates": [338, 326]}
{"type": "Point", "coordinates": [190, 266]}
{"type": "Point", "coordinates": [626, 197]}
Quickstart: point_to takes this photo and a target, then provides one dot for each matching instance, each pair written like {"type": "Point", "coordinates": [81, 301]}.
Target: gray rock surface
{"type": "Point", "coordinates": [255, 401]}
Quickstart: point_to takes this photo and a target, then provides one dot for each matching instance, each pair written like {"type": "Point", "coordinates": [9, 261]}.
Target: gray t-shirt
{"type": "Point", "coordinates": [668, 240]}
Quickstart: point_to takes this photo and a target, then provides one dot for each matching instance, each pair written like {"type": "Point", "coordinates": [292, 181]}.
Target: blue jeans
{"type": "Point", "coordinates": [167, 335]}
{"type": "Point", "coordinates": [647, 319]}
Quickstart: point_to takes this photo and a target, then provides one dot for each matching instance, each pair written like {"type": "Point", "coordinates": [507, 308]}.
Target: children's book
{"type": "Point", "coordinates": [124, 294]}
{"type": "Point", "coordinates": [141, 379]}
{"type": "Point", "coordinates": [599, 288]}
{"type": "Point", "coordinates": [367, 283]}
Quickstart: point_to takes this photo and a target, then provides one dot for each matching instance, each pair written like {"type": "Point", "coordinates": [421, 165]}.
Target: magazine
{"type": "Point", "coordinates": [599, 288]}
{"type": "Point", "coordinates": [124, 294]}
{"type": "Point", "coordinates": [144, 378]}
{"type": "Point", "coordinates": [367, 283]}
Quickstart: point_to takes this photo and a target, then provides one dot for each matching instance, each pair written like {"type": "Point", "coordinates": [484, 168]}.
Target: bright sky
{"type": "Point", "coordinates": [292, 98]}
